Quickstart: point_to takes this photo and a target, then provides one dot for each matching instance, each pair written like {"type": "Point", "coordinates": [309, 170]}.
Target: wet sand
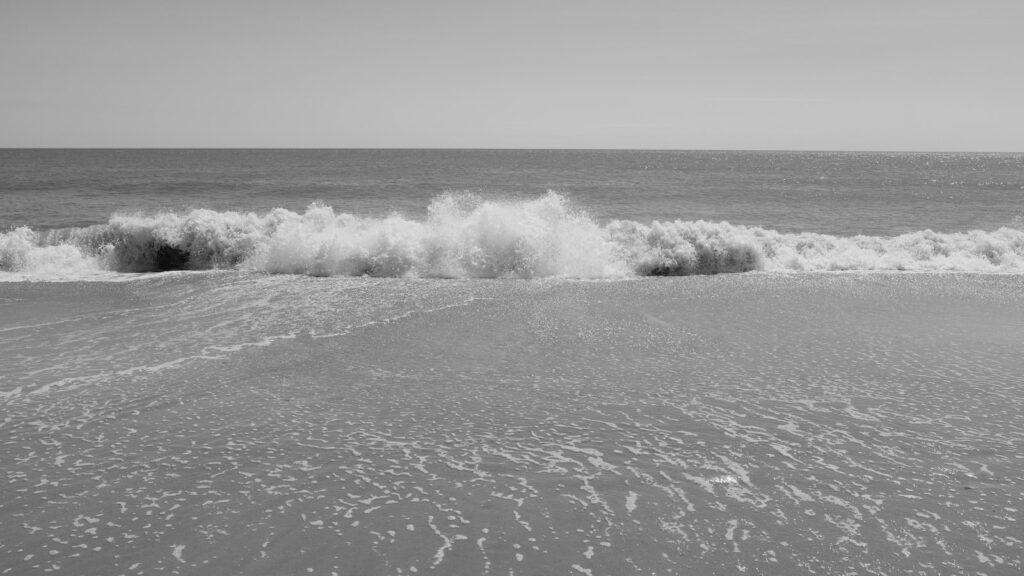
{"type": "Point", "coordinates": [755, 423]}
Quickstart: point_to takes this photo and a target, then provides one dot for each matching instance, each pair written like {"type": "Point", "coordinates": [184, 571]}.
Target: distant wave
{"type": "Point", "coordinates": [463, 236]}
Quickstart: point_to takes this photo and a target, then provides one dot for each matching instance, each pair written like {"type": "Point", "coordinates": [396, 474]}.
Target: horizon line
{"type": "Point", "coordinates": [522, 149]}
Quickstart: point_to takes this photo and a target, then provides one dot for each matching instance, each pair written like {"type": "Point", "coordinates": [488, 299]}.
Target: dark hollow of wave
{"type": "Point", "coordinates": [170, 258]}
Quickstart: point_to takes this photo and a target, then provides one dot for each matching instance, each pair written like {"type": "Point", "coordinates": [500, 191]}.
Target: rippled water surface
{"type": "Point", "coordinates": [842, 193]}
{"type": "Point", "coordinates": [240, 423]}
{"type": "Point", "coordinates": [370, 362]}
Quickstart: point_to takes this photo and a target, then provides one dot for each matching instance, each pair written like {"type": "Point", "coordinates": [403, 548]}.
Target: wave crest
{"type": "Point", "coordinates": [682, 248]}
{"type": "Point", "coordinates": [462, 236]}
{"type": "Point", "coordinates": [466, 236]}
{"type": "Point", "coordinates": [23, 250]}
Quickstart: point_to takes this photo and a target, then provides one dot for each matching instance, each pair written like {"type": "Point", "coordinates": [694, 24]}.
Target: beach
{"type": "Point", "coordinates": [834, 423]}
{"type": "Point", "coordinates": [511, 289]}
{"type": "Point", "coordinates": [410, 362]}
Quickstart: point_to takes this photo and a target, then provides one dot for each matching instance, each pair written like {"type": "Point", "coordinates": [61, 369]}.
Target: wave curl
{"type": "Point", "coordinates": [464, 236]}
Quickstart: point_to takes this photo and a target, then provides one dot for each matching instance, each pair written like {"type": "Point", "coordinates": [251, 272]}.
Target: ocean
{"type": "Point", "coordinates": [516, 362]}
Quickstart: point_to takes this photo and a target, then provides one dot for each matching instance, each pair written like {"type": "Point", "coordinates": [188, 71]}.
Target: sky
{"type": "Point", "coordinates": [724, 74]}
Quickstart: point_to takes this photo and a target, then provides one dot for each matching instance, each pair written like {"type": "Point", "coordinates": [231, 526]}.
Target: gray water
{"type": "Point", "coordinates": [843, 193]}
{"type": "Point", "coordinates": [233, 419]}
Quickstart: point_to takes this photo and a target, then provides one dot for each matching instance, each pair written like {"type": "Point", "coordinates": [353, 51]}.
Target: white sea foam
{"type": "Point", "coordinates": [26, 255]}
{"type": "Point", "coordinates": [465, 236]}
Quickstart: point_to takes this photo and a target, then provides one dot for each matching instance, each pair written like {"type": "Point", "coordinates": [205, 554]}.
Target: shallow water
{"type": "Point", "coordinates": [231, 422]}
{"type": "Point", "coordinates": [441, 367]}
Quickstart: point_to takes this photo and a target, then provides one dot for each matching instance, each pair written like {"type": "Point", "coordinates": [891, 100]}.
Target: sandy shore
{"type": "Point", "coordinates": [766, 424]}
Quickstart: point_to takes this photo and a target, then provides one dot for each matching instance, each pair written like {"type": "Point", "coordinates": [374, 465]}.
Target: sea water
{"type": "Point", "coordinates": [510, 362]}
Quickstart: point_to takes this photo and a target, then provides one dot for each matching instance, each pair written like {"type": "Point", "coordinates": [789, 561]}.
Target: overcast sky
{"type": "Point", "coordinates": [728, 74]}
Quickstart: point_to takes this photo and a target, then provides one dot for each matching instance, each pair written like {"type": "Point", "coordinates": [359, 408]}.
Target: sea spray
{"type": "Point", "coordinates": [24, 250]}
{"type": "Point", "coordinates": [462, 236]}
{"type": "Point", "coordinates": [683, 248]}
{"type": "Point", "coordinates": [466, 236]}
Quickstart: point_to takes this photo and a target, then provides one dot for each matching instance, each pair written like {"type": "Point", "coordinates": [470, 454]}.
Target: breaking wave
{"type": "Point", "coordinates": [465, 236]}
